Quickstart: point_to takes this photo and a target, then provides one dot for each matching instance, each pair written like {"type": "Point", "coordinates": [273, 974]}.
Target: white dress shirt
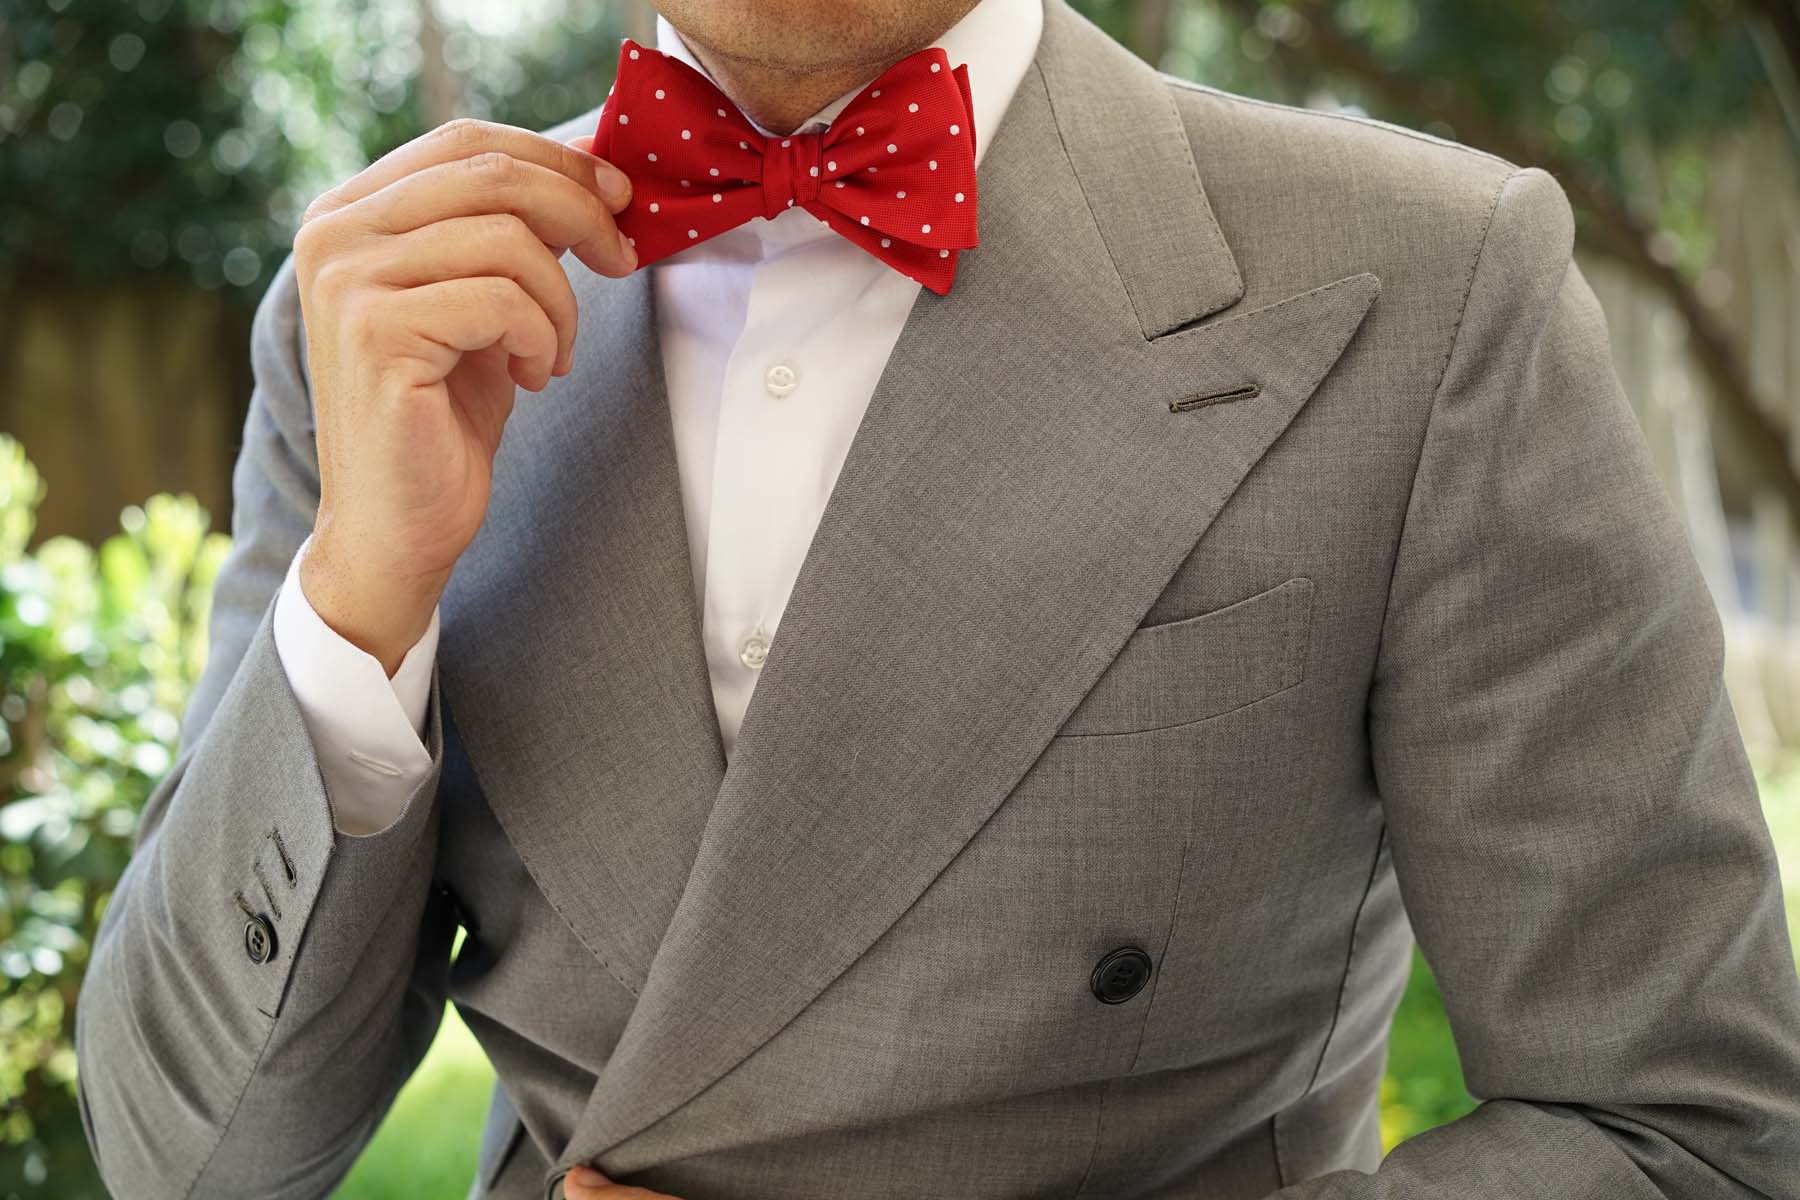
{"type": "Point", "coordinates": [773, 336]}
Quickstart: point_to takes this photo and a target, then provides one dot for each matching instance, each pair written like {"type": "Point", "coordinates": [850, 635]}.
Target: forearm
{"type": "Point", "coordinates": [204, 1072]}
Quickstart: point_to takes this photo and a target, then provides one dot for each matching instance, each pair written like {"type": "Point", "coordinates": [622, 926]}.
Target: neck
{"type": "Point", "coordinates": [780, 98]}
{"type": "Point", "coordinates": [776, 99]}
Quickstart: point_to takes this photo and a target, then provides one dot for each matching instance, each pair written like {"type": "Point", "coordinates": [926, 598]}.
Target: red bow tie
{"type": "Point", "coordinates": [894, 173]}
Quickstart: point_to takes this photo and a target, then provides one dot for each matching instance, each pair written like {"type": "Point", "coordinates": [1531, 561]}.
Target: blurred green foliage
{"type": "Point", "coordinates": [98, 651]}
{"type": "Point", "coordinates": [1423, 1087]}
{"type": "Point", "coordinates": [123, 124]}
{"type": "Point", "coordinates": [188, 136]}
{"type": "Point", "coordinates": [1630, 92]}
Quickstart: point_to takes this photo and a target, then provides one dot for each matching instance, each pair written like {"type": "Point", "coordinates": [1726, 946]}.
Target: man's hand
{"type": "Point", "coordinates": [585, 1183]}
{"type": "Point", "coordinates": [431, 289]}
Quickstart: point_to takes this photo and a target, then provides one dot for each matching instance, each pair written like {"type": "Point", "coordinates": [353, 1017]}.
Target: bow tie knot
{"type": "Point", "coordinates": [894, 173]}
{"type": "Point", "coordinates": [792, 172]}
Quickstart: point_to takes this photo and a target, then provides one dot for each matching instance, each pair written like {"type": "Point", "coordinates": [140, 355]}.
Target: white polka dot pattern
{"type": "Point", "coordinates": [917, 218]}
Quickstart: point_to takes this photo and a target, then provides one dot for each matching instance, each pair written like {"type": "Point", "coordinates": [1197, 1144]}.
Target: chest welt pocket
{"type": "Point", "coordinates": [1178, 672]}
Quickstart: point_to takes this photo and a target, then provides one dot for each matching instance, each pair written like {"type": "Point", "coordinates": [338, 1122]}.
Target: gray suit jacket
{"type": "Point", "coordinates": [1252, 561]}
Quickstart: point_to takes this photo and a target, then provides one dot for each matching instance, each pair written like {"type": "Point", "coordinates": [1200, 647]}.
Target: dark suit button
{"type": "Point", "coordinates": [1121, 975]}
{"type": "Point", "coordinates": [259, 939]}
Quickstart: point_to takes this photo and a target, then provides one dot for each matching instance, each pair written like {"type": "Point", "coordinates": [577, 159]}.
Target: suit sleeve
{"type": "Point", "coordinates": [261, 984]}
{"type": "Point", "coordinates": [1576, 830]}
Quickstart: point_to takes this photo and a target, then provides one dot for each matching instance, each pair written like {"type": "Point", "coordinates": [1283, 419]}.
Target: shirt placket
{"type": "Point", "coordinates": [764, 497]}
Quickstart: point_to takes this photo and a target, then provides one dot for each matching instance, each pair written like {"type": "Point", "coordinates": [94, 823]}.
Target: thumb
{"type": "Point", "coordinates": [585, 1183]}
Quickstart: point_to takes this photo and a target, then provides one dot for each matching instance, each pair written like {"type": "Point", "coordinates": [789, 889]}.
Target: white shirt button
{"type": "Point", "coordinates": [753, 651]}
{"type": "Point", "coordinates": [781, 379]}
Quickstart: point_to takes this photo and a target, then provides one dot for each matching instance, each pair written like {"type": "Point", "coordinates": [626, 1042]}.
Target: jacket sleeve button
{"type": "Point", "coordinates": [259, 939]}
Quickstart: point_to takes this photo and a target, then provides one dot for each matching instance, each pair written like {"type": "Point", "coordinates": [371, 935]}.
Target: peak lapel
{"type": "Point", "coordinates": [1017, 495]}
{"type": "Point", "coordinates": [570, 641]}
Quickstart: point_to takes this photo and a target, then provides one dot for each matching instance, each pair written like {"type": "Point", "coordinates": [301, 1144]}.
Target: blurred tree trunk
{"type": "Point", "coordinates": [440, 91]}
{"type": "Point", "coordinates": [640, 21]}
{"type": "Point", "coordinates": [1776, 31]}
{"type": "Point", "coordinates": [1148, 34]}
{"type": "Point", "coordinates": [1782, 18]}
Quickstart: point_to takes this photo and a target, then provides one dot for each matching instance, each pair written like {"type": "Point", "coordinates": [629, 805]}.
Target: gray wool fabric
{"type": "Point", "coordinates": [1252, 560]}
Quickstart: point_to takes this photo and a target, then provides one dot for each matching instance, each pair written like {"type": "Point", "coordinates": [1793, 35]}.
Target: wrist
{"type": "Point", "coordinates": [380, 611]}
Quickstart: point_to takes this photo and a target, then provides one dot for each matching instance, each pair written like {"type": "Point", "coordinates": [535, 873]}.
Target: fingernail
{"type": "Point", "coordinates": [628, 252]}
{"type": "Point", "coordinates": [613, 184]}
{"type": "Point", "coordinates": [586, 1175]}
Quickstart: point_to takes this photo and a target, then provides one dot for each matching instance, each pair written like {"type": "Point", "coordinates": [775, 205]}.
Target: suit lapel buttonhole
{"type": "Point", "coordinates": [1243, 392]}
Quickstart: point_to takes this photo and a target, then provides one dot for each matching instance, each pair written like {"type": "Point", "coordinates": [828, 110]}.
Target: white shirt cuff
{"type": "Point", "coordinates": [367, 730]}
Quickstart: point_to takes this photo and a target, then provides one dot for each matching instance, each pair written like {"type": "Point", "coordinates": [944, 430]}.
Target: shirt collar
{"type": "Point", "coordinates": [997, 39]}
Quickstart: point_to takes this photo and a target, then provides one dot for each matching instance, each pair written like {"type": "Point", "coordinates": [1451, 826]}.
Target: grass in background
{"type": "Point", "coordinates": [1423, 1087]}
{"type": "Point", "coordinates": [426, 1148]}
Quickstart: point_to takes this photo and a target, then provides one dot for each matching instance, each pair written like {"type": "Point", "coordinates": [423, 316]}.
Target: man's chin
{"type": "Point", "coordinates": [809, 37]}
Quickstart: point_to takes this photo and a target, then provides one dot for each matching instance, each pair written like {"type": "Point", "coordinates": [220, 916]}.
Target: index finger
{"type": "Point", "coordinates": [464, 137]}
